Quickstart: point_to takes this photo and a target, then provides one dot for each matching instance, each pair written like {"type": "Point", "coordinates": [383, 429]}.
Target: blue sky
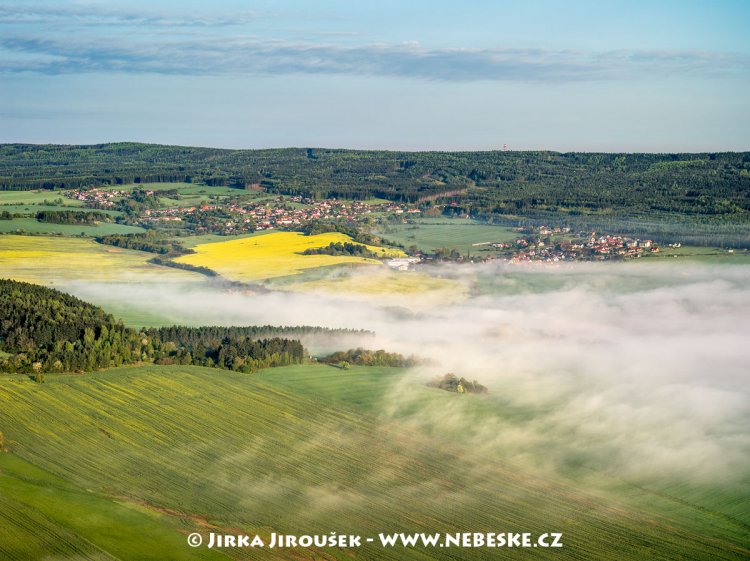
{"type": "Point", "coordinates": [475, 74]}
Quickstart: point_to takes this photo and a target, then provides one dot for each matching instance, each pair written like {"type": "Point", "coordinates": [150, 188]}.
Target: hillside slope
{"type": "Point", "coordinates": [305, 449]}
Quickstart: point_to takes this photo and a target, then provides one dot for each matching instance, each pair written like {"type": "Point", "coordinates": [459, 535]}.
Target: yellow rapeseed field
{"type": "Point", "coordinates": [46, 259]}
{"type": "Point", "coordinates": [410, 289]}
{"type": "Point", "coordinates": [273, 255]}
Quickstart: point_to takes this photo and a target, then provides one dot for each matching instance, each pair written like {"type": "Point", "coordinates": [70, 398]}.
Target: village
{"type": "Point", "coordinates": [553, 245]}
{"type": "Point", "coordinates": [241, 215]}
{"type": "Point", "coordinates": [237, 215]}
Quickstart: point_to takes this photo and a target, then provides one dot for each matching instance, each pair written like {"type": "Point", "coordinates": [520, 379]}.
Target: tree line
{"type": "Point", "coordinates": [45, 330]}
{"type": "Point", "coordinates": [76, 217]}
{"type": "Point", "coordinates": [716, 185]}
{"type": "Point", "coordinates": [339, 248]}
{"type": "Point", "coordinates": [150, 241]}
{"type": "Point", "coordinates": [364, 357]}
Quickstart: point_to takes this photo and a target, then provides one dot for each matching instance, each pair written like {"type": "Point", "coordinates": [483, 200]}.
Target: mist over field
{"type": "Point", "coordinates": [638, 371]}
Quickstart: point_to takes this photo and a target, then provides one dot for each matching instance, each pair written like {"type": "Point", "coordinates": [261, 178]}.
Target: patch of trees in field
{"type": "Point", "coordinates": [339, 248]}
{"type": "Point", "coordinates": [45, 330]}
{"type": "Point", "coordinates": [138, 201]}
{"type": "Point", "coordinates": [452, 383]}
{"type": "Point", "coordinates": [356, 233]}
{"type": "Point", "coordinates": [75, 217]}
{"type": "Point", "coordinates": [150, 241]}
{"type": "Point", "coordinates": [231, 348]}
{"type": "Point", "coordinates": [166, 262]}
{"type": "Point", "coordinates": [364, 357]}
{"type": "Point", "coordinates": [713, 185]}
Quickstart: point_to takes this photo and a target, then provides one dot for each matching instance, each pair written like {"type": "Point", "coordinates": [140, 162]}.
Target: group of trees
{"type": "Point", "coordinates": [452, 383]}
{"type": "Point", "coordinates": [339, 248]}
{"type": "Point", "coordinates": [45, 330]}
{"type": "Point", "coordinates": [76, 217]}
{"type": "Point", "coordinates": [354, 231]}
{"type": "Point", "coordinates": [150, 241]}
{"type": "Point", "coordinates": [364, 357]}
{"type": "Point", "coordinates": [138, 201]}
{"type": "Point", "coordinates": [167, 262]}
{"type": "Point", "coordinates": [218, 221]}
{"type": "Point", "coordinates": [235, 348]}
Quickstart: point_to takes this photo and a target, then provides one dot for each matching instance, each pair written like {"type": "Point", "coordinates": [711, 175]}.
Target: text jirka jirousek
{"type": "Point", "coordinates": [333, 539]}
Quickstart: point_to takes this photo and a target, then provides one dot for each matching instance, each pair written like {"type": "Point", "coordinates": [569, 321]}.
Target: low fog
{"type": "Point", "coordinates": [640, 370]}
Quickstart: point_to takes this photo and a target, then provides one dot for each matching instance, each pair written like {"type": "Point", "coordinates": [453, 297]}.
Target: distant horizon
{"type": "Point", "coordinates": [302, 147]}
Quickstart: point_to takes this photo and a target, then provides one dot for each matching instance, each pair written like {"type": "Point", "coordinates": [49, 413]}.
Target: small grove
{"type": "Point", "coordinates": [364, 357]}
{"type": "Point", "coordinates": [79, 218]}
{"type": "Point", "coordinates": [452, 383]}
{"type": "Point", "coordinates": [338, 248]}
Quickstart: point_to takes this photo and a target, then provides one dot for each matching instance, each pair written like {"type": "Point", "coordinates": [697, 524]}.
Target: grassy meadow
{"type": "Point", "coordinates": [34, 197]}
{"type": "Point", "coordinates": [191, 194]}
{"type": "Point", "coordinates": [164, 451]}
{"type": "Point", "coordinates": [698, 254]}
{"type": "Point", "coordinates": [43, 516]}
{"type": "Point", "coordinates": [31, 225]}
{"type": "Point", "coordinates": [431, 234]}
{"type": "Point", "coordinates": [29, 203]}
{"type": "Point", "coordinates": [273, 255]}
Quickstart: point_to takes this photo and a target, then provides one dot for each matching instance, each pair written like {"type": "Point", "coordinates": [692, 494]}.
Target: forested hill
{"type": "Point", "coordinates": [481, 183]}
{"type": "Point", "coordinates": [45, 330]}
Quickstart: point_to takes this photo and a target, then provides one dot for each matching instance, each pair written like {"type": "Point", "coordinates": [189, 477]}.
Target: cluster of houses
{"type": "Point", "coordinates": [589, 247]}
{"type": "Point", "coordinates": [99, 197]}
{"type": "Point", "coordinates": [238, 216]}
{"type": "Point", "coordinates": [235, 215]}
{"type": "Point", "coordinates": [403, 263]}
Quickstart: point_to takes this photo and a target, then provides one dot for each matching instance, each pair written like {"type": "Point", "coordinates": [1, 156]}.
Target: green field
{"type": "Point", "coordinates": [36, 197]}
{"type": "Point", "coordinates": [190, 193]}
{"type": "Point", "coordinates": [43, 516]}
{"type": "Point", "coordinates": [185, 188]}
{"type": "Point", "coordinates": [33, 226]}
{"type": "Point", "coordinates": [713, 255]}
{"type": "Point", "coordinates": [163, 451]}
{"type": "Point", "coordinates": [431, 234]}
{"type": "Point", "coordinates": [33, 209]}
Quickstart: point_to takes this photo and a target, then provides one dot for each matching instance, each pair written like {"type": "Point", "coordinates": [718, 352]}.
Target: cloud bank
{"type": "Point", "coordinates": [68, 39]}
{"type": "Point", "coordinates": [250, 56]}
{"type": "Point", "coordinates": [640, 372]}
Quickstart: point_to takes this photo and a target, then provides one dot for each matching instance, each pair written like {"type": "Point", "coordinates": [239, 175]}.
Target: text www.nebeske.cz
{"type": "Point", "coordinates": [333, 539]}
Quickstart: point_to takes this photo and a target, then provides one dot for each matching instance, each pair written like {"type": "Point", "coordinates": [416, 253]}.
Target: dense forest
{"type": "Point", "coordinates": [715, 186]}
{"type": "Point", "coordinates": [45, 330]}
